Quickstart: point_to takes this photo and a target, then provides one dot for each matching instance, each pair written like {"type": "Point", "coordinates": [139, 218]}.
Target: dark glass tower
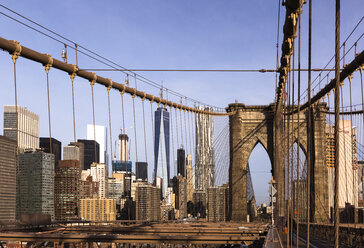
{"type": "Point", "coordinates": [161, 147]}
{"type": "Point", "coordinates": [181, 159]}
{"type": "Point", "coordinates": [56, 148]}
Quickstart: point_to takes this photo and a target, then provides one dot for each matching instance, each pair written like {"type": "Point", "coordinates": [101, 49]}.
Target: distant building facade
{"type": "Point", "coordinates": [99, 174]}
{"type": "Point", "coordinates": [8, 164]}
{"type": "Point", "coordinates": [348, 184]}
{"type": "Point", "coordinates": [36, 183]}
{"type": "Point", "coordinates": [205, 165]}
{"type": "Point", "coordinates": [189, 177]}
{"type": "Point", "coordinates": [99, 134]}
{"type": "Point", "coordinates": [147, 202]}
{"type": "Point", "coordinates": [141, 170]}
{"type": "Point", "coordinates": [28, 126]}
{"type": "Point", "coordinates": [67, 189]}
{"type": "Point", "coordinates": [217, 204]}
{"type": "Point", "coordinates": [81, 154]}
{"type": "Point", "coordinates": [45, 143]}
{"type": "Point", "coordinates": [91, 152]}
{"type": "Point", "coordinates": [181, 162]}
{"type": "Point", "coordinates": [98, 209]}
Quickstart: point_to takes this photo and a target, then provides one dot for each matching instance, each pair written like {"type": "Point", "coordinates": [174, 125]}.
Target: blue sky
{"type": "Point", "coordinates": [204, 34]}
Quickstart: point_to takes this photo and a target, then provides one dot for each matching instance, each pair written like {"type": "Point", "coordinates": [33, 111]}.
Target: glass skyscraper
{"type": "Point", "coordinates": [161, 147]}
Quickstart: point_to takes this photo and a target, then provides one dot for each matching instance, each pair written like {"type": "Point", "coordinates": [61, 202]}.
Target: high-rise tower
{"type": "Point", "coordinates": [161, 147]}
{"type": "Point", "coordinates": [205, 166]}
{"type": "Point", "coordinates": [28, 126]}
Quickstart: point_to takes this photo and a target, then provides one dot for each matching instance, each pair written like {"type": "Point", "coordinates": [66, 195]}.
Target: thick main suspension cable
{"type": "Point", "coordinates": [12, 46]}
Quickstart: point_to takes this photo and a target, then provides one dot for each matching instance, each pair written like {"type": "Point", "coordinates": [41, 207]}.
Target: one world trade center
{"type": "Point", "coordinates": [161, 147]}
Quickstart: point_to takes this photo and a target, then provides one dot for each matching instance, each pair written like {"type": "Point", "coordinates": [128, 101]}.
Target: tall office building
{"type": "Point", "coordinates": [99, 174]}
{"type": "Point", "coordinates": [36, 183]}
{"type": "Point", "coordinates": [180, 190]}
{"type": "Point", "coordinates": [8, 179]}
{"type": "Point", "coordinates": [28, 126]}
{"type": "Point", "coordinates": [67, 189]}
{"type": "Point", "coordinates": [147, 203]}
{"type": "Point", "coordinates": [45, 144]}
{"type": "Point", "coordinates": [91, 152]}
{"type": "Point", "coordinates": [81, 149]}
{"type": "Point", "coordinates": [189, 178]}
{"type": "Point", "coordinates": [217, 204]}
{"type": "Point", "coordinates": [161, 147]}
{"type": "Point", "coordinates": [123, 147]}
{"type": "Point", "coordinates": [181, 162]}
{"type": "Point", "coordinates": [205, 166]}
{"type": "Point", "coordinates": [99, 134]}
{"type": "Point", "coordinates": [348, 166]}
{"type": "Point", "coordinates": [141, 170]}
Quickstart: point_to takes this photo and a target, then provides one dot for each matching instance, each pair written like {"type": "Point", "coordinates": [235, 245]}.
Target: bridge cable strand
{"type": "Point", "coordinates": [153, 136]}
{"type": "Point", "coordinates": [362, 95]}
{"type": "Point", "coordinates": [92, 83]}
{"type": "Point", "coordinates": [14, 57]}
{"type": "Point", "coordinates": [72, 76]}
{"type": "Point", "coordinates": [181, 123]}
{"type": "Point", "coordinates": [47, 67]}
{"type": "Point", "coordinates": [186, 135]}
{"type": "Point", "coordinates": [354, 164]}
{"type": "Point", "coordinates": [292, 138]}
{"type": "Point", "coordinates": [176, 127]}
{"type": "Point", "coordinates": [171, 121]}
{"type": "Point", "coordinates": [277, 58]}
{"type": "Point", "coordinates": [189, 127]}
{"type": "Point", "coordinates": [309, 134]}
{"type": "Point", "coordinates": [145, 135]}
{"type": "Point", "coordinates": [135, 128]}
{"type": "Point", "coordinates": [109, 110]}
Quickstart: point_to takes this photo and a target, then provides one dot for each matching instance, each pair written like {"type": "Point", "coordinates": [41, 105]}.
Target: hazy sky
{"type": "Point", "coordinates": [204, 34]}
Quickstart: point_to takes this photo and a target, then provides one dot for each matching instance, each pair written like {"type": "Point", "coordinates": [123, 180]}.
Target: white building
{"type": "Point", "coordinates": [348, 168]}
{"type": "Point", "coordinates": [28, 127]}
{"type": "Point", "coordinates": [99, 174]}
{"type": "Point", "coordinates": [100, 136]}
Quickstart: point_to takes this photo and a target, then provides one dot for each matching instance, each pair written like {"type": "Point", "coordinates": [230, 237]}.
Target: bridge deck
{"type": "Point", "coordinates": [147, 233]}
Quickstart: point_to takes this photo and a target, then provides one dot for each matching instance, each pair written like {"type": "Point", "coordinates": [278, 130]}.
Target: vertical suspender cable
{"type": "Point", "coordinates": [184, 112]}
{"type": "Point", "coordinates": [287, 123]}
{"type": "Point", "coordinates": [135, 128]}
{"type": "Point", "coordinates": [170, 118]}
{"type": "Point", "coordinates": [154, 150]}
{"type": "Point", "coordinates": [14, 57]}
{"type": "Point", "coordinates": [92, 83]}
{"type": "Point", "coordinates": [189, 128]}
{"type": "Point", "coordinates": [72, 76]}
{"type": "Point", "coordinates": [277, 58]}
{"type": "Point", "coordinates": [135, 134]}
{"type": "Point", "coordinates": [344, 140]}
{"type": "Point", "coordinates": [109, 108]}
{"type": "Point", "coordinates": [309, 129]}
{"type": "Point", "coordinates": [180, 118]}
{"type": "Point", "coordinates": [298, 124]}
{"type": "Point", "coordinates": [337, 118]}
{"type": "Point", "coordinates": [177, 127]}
{"type": "Point", "coordinates": [47, 68]}
{"type": "Point", "coordinates": [145, 135]}
{"type": "Point", "coordinates": [353, 163]}
{"type": "Point", "coordinates": [292, 138]}
{"type": "Point", "coordinates": [122, 110]}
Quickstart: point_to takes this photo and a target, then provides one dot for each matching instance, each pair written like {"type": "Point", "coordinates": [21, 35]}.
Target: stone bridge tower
{"type": "Point", "coordinates": [260, 124]}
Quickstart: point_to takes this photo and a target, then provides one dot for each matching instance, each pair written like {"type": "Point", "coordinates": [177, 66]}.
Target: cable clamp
{"type": "Point", "coordinates": [17, 52]}
{"type": "Point", "coordinates": [93, 81]}
{"type": "Point", "coordinates": [74, 73]}
{"type": "Point", "coordinates": [48, 66]}
{"type": "Point", "coordinates": [123, 90]}
{"type": "Point", "coordinates": [144, 95]}
{"type": "Point", "coordinates": [110, 85]}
